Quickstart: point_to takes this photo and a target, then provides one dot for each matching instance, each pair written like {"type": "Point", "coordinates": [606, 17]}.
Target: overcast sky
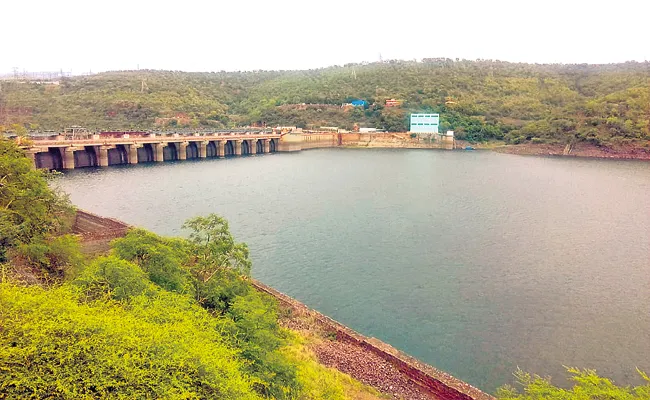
{"type": "Point", "coordinates": [192, 35]}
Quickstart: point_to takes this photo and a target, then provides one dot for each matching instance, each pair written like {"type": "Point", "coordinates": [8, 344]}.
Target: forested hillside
{"type": "Point", "coordinates": [480, 100]}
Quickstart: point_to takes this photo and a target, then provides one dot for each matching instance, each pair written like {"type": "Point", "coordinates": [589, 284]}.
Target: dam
{"type": "Point", "coordinates": [64, 153]}
{"type": "Point", "coordinates": [97, 151]}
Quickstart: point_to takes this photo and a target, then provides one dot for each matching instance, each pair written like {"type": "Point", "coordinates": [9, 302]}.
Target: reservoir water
{"type": "Point", "coordinates": [474, 262]}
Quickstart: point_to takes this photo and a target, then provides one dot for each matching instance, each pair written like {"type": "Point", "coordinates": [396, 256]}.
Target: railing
{"type": "Point", "coordinates": [157, 139]}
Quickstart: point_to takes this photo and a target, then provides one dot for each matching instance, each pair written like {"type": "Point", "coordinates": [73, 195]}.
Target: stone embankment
{"type": "Point", "coordinates": [96, 232]}
{"type": "Point", "coordinates": [374, 362]}
{"type": "Point", "coordinates": [297, 142]}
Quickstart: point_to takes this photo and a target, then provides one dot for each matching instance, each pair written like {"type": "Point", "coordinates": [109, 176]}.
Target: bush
{"type": "Point", "coordinates": [159, 257]}
{"type": "Point", "coordinates": [215, 268]}
{"type": "Point", "coordinates": [55, 257]}
{"type": "Point", "coordinates": [29, 209]}
{"type": "Point", "coordinates": [589, 386]}
{"type": "Point", "coordinates": [158, 347]}
{"type": "Point", "coordinates": [111, 277]}
{"type": "Point", "coordinates": [256, 332]}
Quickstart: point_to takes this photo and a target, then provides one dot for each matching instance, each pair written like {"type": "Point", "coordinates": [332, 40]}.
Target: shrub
{"type": "Point", "coordinates": [588, 386]}
{"type": "Point", "coordinates": [159, 257]}
{"type": "Point", "coordinates": [55, 257]}
{"type": "Point", "coordinates": [111, 277]}
{"type": "Point", "coordinates": [158, 347]}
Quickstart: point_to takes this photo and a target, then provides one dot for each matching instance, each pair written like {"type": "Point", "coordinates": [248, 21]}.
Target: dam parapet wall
{"type": "Point", "coordinates": [305, 141]}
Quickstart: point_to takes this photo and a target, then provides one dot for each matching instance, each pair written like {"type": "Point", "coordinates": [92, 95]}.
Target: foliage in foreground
{"type": "Point", "coordinates": [54, 343]}
{"type": "Point", "coordinates": [30, 211]}
{"type": "Point", "coordinates": [588, 386]}
{"type": "Point", "coordinates": [129, 325]}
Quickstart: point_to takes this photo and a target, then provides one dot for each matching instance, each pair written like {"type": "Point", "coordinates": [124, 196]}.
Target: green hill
{"type": "Point", "coordinates": [480, 100]}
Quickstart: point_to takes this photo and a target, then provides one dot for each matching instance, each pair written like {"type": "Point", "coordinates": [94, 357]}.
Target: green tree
{"type": "Point", "coordinates": [214, 248]}
{"type": "Point", "coordinates": [253, 327]}
{"type": "Point", "coordinates": [162, 259]}
{"type": "Point", "coordinates": [111, 277]}
{"type": "Point", "coordinates": [29, 209]}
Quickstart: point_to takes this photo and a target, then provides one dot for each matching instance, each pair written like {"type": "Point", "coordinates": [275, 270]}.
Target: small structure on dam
{"type": "Point", "coordinates": [428, 126]}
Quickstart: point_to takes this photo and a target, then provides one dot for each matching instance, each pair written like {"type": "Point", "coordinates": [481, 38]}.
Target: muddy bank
{"type": "Point", "coordinates": [623, 151]}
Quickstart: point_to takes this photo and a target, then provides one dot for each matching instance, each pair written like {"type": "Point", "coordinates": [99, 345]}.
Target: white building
{"type": "Point", "coordinates": [424, 123]}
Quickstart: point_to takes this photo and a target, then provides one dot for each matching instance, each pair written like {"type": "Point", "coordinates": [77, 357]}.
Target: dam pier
{"type": "Point", "coordinates": [97, 151]}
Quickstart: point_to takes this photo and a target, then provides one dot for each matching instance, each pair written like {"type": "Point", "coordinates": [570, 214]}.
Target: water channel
{"type": "Point", "coordinates": [474, 262]}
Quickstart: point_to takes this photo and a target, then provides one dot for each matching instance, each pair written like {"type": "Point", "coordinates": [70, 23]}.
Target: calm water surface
{"type": "Point", "coordinates": [474, 262]}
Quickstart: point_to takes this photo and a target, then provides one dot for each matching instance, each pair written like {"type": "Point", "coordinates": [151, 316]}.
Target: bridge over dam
{"type": "Point", "coordinates": [61, 152]}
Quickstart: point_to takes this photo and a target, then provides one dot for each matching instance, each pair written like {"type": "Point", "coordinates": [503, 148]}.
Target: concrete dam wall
{"type": "Point", "coordinates": [305, 141]}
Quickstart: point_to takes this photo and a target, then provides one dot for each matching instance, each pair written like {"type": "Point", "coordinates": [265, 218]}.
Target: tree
{"type": "Point", "coordinates": [214, 248]}
{"type": "Point", "coordinates": [29, 209]}
{"type": "Point", "coordinates": [588, 386]}
{"type": "Point", "coordinates": [112, 277]}
{"type": "Point", "coordinates": [161, 258]}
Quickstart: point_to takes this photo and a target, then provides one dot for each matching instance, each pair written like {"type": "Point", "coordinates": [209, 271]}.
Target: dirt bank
{"type": "Point", "coordinates": [97, 232]}
{"type": "Point", "coordinates": [621, 151]}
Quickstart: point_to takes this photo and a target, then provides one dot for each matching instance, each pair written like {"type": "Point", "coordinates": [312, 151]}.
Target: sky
{"type": "Point", "coordinates": [191, 35]}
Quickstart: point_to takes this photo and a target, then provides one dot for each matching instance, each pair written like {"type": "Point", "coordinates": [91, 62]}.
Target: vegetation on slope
{"type": "Point", "coordinates": [480, 100]}
{"type": "Point", "coordinates": [30, 212]}
{"type": "Point", "coordinates": [588, 386]}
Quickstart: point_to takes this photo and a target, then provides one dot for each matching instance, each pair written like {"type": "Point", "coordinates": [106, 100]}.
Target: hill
{"type": "Point", "coordinates": [480, 100]}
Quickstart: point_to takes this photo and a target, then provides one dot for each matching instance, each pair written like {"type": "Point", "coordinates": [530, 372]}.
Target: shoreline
{"type": "Point", "coordinates": [639, 150]}
{"type": "Point", "coordinates": [578, 150]}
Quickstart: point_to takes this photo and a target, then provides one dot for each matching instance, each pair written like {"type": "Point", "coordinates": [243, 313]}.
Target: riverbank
{"type": "Point", "coordinates": [581, 149]}
{"type": "Point", "coordinates": [368, 360]}
{"type": "Point", "coordinates": [403, 140]}
{"type": "Point", "coordinates": [621, 151]}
